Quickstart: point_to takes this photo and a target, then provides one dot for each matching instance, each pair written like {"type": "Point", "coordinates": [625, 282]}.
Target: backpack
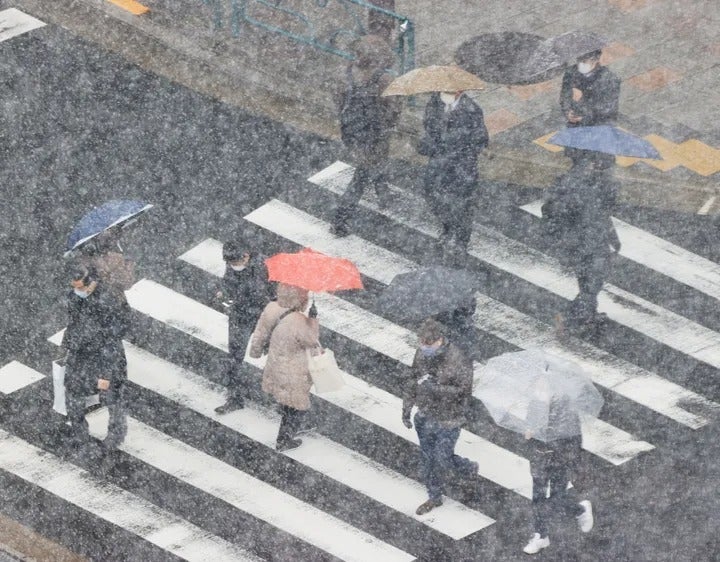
{"type": "Point", "coordinates": [362, 113]}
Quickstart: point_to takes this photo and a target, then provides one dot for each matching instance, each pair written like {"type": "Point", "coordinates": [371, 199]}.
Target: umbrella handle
{"type": "Point", "coordinates": [312, 313]}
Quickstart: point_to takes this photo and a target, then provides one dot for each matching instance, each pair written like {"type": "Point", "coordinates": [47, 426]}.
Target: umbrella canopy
{"type": "Point", "coordinates": [314, 271]}
{"type": "Point", "coordinates": [569, 46]}
{"type": "Point", "coordinates": [100, 219]}
{"type": "Point", "coordinates": [537, 392]}
{"type": "Point", "coordinates": [433, 79]}
{"type": "Point", "coordinates": [606, 139]}
{"type": "Point", "coordinates": [425, 292]}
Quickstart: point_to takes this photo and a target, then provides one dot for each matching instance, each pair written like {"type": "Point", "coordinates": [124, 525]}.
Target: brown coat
{"type": "Point", "coordinates": [286, 376]}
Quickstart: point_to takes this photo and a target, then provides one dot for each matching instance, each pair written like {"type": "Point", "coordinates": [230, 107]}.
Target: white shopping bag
{"type": "Point", "coordinates": [58, 375]}
{"type": "Point", "coordinates": [59, 404]}
{"type": "Point", "coordinates": [324, 371]}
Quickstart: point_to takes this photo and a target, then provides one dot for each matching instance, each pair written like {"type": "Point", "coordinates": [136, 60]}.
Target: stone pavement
{"type": "Point", "coordinates": [666, 52]}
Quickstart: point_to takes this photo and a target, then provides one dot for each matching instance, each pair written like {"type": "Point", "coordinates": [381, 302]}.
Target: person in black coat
{"type": "Point", "coordinates": [590, 93]}
{"type": "Point", "coordinates": [95, 358]}
{"type": "Point", "coordinates": [455, 134]}
{"type": "Point", "coordinates": [578, 217]}
{"type": "Point", "coordinates": [553, 465]}
{"type": "Point", "coordinates": [245, 290]}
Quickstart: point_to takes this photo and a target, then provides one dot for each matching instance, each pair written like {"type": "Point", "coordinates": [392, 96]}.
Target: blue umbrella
{"type": "Point", "coordinates": [102, 218]}
{"type": "Point", "coordinates": [606, 139]}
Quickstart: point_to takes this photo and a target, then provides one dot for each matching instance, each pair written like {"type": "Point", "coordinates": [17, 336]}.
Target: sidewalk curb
{"type": "Point", "coordinates": [269, 94]}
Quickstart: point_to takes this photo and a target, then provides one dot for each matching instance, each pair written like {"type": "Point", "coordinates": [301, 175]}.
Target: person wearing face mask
{"type": "Point", "coordinates": [94, 355]}
{"type": "Point", "coordinates": [245, 291]}
{"type": "Point", "coordinates": [440, 386]}
{"type": "Point", "coordinates": [454, 136]}
{"type": "Point", "coordinates": [590, 93]}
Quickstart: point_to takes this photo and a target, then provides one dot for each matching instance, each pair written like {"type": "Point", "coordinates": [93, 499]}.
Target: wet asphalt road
{"type": "Point", "coordinates": [81, 126]}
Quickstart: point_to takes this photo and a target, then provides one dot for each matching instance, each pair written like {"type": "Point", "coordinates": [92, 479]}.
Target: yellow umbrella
{"type": "Point", "coordinates": [434, 79]}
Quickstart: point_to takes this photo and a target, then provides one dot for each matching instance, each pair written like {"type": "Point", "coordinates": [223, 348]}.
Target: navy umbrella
{"type": "Point", "coordinates": [606, 139]}
{"type": "Point", "coordinates": [110, 214]}
{"type": "Point", "coordinates": [422, 293]}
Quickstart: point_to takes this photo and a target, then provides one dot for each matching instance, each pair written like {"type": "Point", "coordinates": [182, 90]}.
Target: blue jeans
{"type": "Point", "coordinates": [437, 451]}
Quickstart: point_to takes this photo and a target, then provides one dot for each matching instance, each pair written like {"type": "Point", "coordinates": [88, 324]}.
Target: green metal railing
{"type": "Point", "coordinates": [356, 12]}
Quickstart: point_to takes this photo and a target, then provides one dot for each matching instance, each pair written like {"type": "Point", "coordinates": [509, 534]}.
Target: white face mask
{"type": "Point", "coordinates": [238, 267]}
{"type": "Point", "coordinates": [586, 67]}
{"type": "Point", "coordinates": [447, 99]}
{"type": "Point", "coordinates": [81, 294]}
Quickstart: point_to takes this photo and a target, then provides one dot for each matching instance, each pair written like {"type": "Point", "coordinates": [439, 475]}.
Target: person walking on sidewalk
{"type": "Point", "coordinates": [455, 134]}
{"type": "Point", "coordinates": [578, 219]}
{"type": "Point", "coordinates": [287, 334]}
{"type": "Point", "coordinates": [366, 119]}
{"type": "Point", "coordinates": [440, 387]}
{"type": "Point", "coordinates": [590, 93]}
{"type": "Point", "coordinates": [245, 290]}
{"type": "Point", "coordinates": [553, 465]}
{"type": "Point", "coordinates": [95, 357]}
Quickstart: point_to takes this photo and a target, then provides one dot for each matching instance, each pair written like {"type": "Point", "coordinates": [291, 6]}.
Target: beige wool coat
{"type": "Point", "coordinates": [286, 375]}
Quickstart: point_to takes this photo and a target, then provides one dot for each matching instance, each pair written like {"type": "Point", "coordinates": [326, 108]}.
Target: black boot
{"type": "Point", "coordinates": [231, 405]}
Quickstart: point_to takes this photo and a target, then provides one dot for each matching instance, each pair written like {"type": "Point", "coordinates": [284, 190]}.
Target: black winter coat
{"type": "Point", "coordinates": [601, 96]}
{"type": "Point", "coordinates": [577, 215]}
{"type": "Point", "coordinates": [453, 140]}
{"type": "Point", "coordinates": [446, 386]}
{"type": "Point", "coordinates": [93, 340]}
{"type": "Point", "coordinates": [248, 290]}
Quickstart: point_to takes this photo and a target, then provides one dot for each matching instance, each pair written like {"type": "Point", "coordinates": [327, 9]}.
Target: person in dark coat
{"type": "Point", "coordinates": [366, 120]}
{"type": "Point", "coordinates": [382, 24]}
{"type": "Point", "coordinates": [578, 216]}
{"type": "Point", "coordinates": [590, 93]}
{"type": "Point", "coordinates": [455, 134]}
{"type": "Point", "coordinates": [246, 290]}
{"type": "Point", "coordinates": [95, 357]}
{"type": "Point", "coordinates": [553, 466]}
{"type": "Point", "coordinates": [440, 387]}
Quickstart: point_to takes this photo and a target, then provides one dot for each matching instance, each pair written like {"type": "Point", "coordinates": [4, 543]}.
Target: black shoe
{"type": "Point", "coordinates": [230, 406]}
{"type": "Point", "coordinates": [428, 506]}
{"type": "Point", "coordinates": [288, 445]}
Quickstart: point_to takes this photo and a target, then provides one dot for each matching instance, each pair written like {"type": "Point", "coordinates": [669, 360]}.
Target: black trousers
{"type": "Point", "coordinates": [114, 399]}
{"type": "Point", "coordinates": [365, 176]}
{"type": "Point", "coordinates": [591, 273]}
{"type": "Point", "coordinates": [289, 423]}
{"type": "Point", "coordinates": [551, 472]}
{"type": "Point", "coordinates": [239, 334]}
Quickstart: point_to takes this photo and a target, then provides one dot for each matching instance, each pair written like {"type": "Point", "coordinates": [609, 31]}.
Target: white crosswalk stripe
{"type": "Point", "coordinates": [113, 504]}
{"type": "Point", "coordinates": [247, 493]}
{"type": "Point", "coordinates": [13, 22]}
{"type": "Point", "coordinates": [600, 438]}
{"type": "Point", "coordinates": [516, 258]}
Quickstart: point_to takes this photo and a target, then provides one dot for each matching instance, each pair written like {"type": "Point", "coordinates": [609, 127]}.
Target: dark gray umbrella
{"type": "Point", "coordinates": [428, 291]}
{"type": "Point", "coordinates": [573, 44]}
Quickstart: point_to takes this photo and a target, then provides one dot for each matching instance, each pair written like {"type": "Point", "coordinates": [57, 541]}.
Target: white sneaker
{"type": "Point", "coordinates": [585, 519]}
{"type": "Point", "coordinates": [536, 544]}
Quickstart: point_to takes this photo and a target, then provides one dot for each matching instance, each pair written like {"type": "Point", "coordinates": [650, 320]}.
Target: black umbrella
{"type": "Point", "coordinates": [428, 291]}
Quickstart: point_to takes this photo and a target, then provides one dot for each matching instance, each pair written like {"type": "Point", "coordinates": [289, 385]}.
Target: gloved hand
{"type": "Point", "coordinates": [312, 313]}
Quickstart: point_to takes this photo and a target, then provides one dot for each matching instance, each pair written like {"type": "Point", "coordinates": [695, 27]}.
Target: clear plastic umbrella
{"type": "Point", "coordinates": [535, 392]}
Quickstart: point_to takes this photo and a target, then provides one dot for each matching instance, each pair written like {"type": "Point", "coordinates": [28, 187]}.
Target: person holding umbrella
{"type": "Point", "coordinates": [440, 386]}
{"type": "Point", "coordinates": [590, 92]}
{"type": "Point", "coordinates": [246, 290]}
{"type": "Point", "coordinates": [553, 465]}
{"type": "Point", "coordinates": [578, 214]}
{"type": "Point", "coordinates": [94, 354]}
{"type": "Point", "coordinates": [454, 136]}
{"type": "Point", "coordinates": [544, 397]}
{"type": "Point", "coordinates": [287, 335]}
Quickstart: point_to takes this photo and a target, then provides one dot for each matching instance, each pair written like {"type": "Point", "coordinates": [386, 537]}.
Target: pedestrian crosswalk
{"type": "Point", "coordinates": [308, 495]}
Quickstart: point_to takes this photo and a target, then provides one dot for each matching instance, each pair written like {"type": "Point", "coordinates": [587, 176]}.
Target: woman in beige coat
{"type": "Point", "coordinates": [286, 376]}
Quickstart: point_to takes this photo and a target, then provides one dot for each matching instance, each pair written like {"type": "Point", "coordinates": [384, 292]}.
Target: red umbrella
{"type": "Point", "coordinates": [314, 271]}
